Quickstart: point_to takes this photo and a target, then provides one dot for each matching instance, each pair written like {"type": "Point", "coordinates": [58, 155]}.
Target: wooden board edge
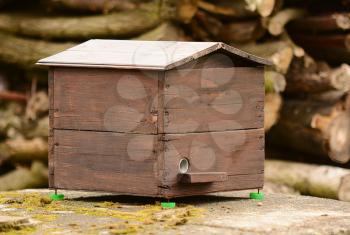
{"type": "Point", "coordinates": [203, 177]}
{"type": "Point", "coordinates": [51, 155]}
{"type": "Point", "coordinates": [160, 130]}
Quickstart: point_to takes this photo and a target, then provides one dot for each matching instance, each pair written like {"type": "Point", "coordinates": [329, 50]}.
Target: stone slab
{"type": "Point", "coordinates": [221, 213]}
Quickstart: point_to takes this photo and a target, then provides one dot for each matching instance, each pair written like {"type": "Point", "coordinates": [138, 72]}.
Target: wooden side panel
{"type": "Point", "coordinates": [123, 101]}
{"type": "Point", "coordinates": [234, 152]}
{"type": "Point", "coordinates": [123, 163]}
{"type": "Point", "coordinates": [213, 99]}
{"type": "Point", "coordinates": [51, 134]}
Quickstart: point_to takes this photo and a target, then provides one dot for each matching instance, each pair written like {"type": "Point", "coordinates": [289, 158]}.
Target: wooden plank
{"type": "Point", "coordinates": [203, 177]}
{"type": "Point", "coordinates": [234, 182]}
{"type": "Point", "coordinates": [106, 100]}
{"type": "Point", "coordinates": [235, 152]}
{"type": "Point", "coordinates": [329, 22]}
{"type": "Point", "coordinates": [215, 99]}
{"type": "Point", "coordinates": [124, 163]}
{"type": "Point", "coordinates": [51, 135]}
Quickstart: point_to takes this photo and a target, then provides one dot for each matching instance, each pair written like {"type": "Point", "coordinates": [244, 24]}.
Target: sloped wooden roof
{"type": "Point", "coordinates": [155, 55]}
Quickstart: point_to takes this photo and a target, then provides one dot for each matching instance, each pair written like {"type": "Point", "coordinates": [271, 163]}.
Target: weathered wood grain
{"type": "Point", "coordinates": [218, 59]}
{"type": "Point", "coordinates": [215, 99]}
{"type": "Point", "coordinates": [234, 152]}
{"type": "Point", "coordinates": [106, 100]}
{"type": "Point", "coordinates": [124, 163]}
{"type": "Point", "coordinates": [134, 54]}
{"type": "Point", "coordinates": [207, 177]}
{"type": "Point", "coordinates": [234, 182]}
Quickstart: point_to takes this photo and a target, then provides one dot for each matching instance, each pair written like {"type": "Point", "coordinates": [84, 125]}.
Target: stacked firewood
{"type": "Point", "coordinates": [307, 106]}
{"type": "Point", "coordinates": [315, 118]}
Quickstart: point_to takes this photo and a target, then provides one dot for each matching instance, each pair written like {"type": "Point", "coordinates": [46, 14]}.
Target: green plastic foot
{"type": "Point", "coordinates": [168, 205]}
{"type": "Point", "coordinates": [57, 197]}
{"type": "Point", "coordinates": [256, 196]}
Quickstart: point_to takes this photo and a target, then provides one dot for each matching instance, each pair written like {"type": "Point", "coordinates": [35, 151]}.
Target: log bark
{"type": "Point", "coordinates": [180, 10]}
{"type": "Point", "coordinates": [333, 48]}
{"type": "Point", "coordinates": [230, 32]}
{"type": "Point", "coordinates": [317, 128]}
{"type": "Point", "coordinates": [96, 6]}
{"type": "Point", "coordinates": [307, 76]}
{"type": "Point", "coordinates": [22, 178]}
{"type": "Point", "coordinates": [210, 23]}
{"type": "Point", "coordinates": [273, 103]}
{"type": "Point", "coordinates": [278, 22]}
{"type": "Point", "coordinates": [314, 180]}
{"type": "Point", "coordinates": [115, 25]}
{"type": "Point", "coordinates": [25, 53]}
{"type": "Point", "coordinates": [20, 150]}
{"type": "Point", "coordinates": [321, 23]}
{"type": "Point", "coordinates": [241, 32]}
{"type": "Point", "coordinates": [119, 24]}
{"type": "Point", "coordinates": [167, 31]}
{"type": "Point", "coordinates": [198, 32]}
{"type": "Point", "coordinates": [236, 9]}
{"type": "Point", "coordinates": [13, 96]}
{"type": "Point", "coordinates": [239, 8]}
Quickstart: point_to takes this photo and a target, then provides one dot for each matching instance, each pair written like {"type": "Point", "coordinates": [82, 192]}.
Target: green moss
{"type": "Point", "coordinates": [108, 205]}
{"type": "Point", "coordinates": [18, 230]}
{"type": "Point", "coordinates": [24, 200]}
{"type": "Point", "coordinates": [45, 217]}
{"type": "Point", "coordinates": [133, 219]}
{"type": "Point", "coordinates": [140, 215]}
{"type": "Point", "coordinates": [124, 228]}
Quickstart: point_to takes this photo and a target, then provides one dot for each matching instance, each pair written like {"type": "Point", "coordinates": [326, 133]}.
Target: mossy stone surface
{"type": "Point", "coordinates": [221, 213]}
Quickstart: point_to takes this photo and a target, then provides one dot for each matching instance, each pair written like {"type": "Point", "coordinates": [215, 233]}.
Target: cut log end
{"type": "Point", "coordinates": [265, 8]}
{"type": "Point", "coordinates": [283, 59]}
{"type": "Point", "coordinates": [339, 138]}
{"type": "Point", "coordinates": [340, 78]}
{"type": "Point", "coordinates": [342, 21]}
{"type": "Point", "coordinates": [276, 28]}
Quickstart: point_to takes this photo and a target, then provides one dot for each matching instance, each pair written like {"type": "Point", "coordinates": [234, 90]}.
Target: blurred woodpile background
{"type": "Point", "coordinates": [307, 117]}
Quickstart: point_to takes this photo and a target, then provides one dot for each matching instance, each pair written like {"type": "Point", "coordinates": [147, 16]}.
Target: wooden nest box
{"type": "Point", "coordinates": [161, 119]}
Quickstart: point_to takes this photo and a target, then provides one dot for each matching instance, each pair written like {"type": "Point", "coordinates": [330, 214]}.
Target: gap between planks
{"type": "Point", "coordinates": [155, 134]}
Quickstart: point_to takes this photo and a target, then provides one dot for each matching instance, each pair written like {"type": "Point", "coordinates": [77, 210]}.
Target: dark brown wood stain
{"type": "Point", "coordinates": [125, 130]}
